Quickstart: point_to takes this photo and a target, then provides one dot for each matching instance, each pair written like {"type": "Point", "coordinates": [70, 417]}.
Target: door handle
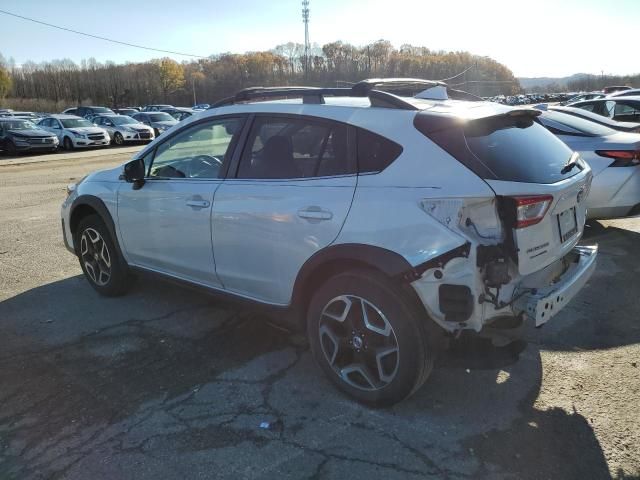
{"type": "Point", "coordinates": [315, 213]}
{"type": "Point", "coordinates": [198, 203]}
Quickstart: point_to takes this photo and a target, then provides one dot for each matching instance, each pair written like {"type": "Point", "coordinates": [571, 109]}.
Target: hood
{"type": "Point", "coordinates": [85, 130]}
{"type": "Point", "coordinates": [109, 175]}
{"type": "Point", "coordinates": [31, 133]}
{"type": "Point", "coordinates": [166, 123]}
{"type": "Point", "coordinates": [140, 127]}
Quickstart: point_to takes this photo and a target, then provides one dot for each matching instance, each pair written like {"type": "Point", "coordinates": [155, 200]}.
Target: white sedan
{"type": "Point", "coordinates": [75, 132]}
{"type": "Point", "coordinates": [614, 158]}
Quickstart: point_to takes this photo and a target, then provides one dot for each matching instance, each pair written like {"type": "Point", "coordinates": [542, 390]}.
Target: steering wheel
{"type": "Point", "coordinates": [204, 165]}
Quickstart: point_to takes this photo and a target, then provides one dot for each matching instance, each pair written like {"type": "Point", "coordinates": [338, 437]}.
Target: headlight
{"type": "Point", "coordinates": [21, 142]}
{"type": "Point", "coordinates": [79, 135]}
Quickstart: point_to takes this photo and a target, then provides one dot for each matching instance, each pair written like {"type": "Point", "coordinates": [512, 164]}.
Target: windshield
{"type": "Point", "coordinates": [124, 120]}
{"type": "Point", "coordinates": [19, 125]}
{"type": "Point", "coordinates": [580, 124]}
{"type": "Point", "coordinates": [76, 123]}
{"type": "Point", "coordinates": [161, 117]}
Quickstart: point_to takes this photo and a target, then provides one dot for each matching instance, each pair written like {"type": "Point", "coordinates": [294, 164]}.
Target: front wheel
{"type": "Point", "coordinates": [67, 143]}
{"type": "Point", "coordinates": [100, 261]}
{"type": "Point", "coordinates": [118, 139]}
{"type": "Point", "coordinates": [370, 338]}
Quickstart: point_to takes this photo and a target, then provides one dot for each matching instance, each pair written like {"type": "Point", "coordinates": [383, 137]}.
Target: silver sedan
{"type": "Point", "coordinates": [614, 158]}
{"type": "Point", "coordinates": [123, 129]}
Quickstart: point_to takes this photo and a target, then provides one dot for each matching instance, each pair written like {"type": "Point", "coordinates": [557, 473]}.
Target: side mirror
{"type": "Point", "coordinates": [134, 172]}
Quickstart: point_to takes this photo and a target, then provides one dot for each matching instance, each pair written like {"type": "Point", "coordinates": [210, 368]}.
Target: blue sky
{"type": "Point", "coordinates": [533, 38]}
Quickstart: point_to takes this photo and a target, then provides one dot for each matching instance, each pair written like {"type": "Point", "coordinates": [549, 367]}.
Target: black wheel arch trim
{"type": "Point", "coordinates": [98, 205]}
{"type": "Point", "coordinates": [388, 262]}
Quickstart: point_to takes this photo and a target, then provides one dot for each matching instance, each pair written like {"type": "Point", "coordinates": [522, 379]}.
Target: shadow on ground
{"type": "Point", "coordinates": [170, 380]}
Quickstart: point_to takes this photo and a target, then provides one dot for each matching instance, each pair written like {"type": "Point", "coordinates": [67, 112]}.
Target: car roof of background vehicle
{"type": "Point", "coordinates": [624, 93]}
{"type": "Point", "coordinates": [634, 98]}
{"type": "Point", "coordinates": [64, 116]}
{"type": "Point", "coordinates": [586, 114]}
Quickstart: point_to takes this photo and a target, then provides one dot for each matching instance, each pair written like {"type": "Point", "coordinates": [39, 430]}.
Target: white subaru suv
{"type": "Point", "coordinates": [381, 220]}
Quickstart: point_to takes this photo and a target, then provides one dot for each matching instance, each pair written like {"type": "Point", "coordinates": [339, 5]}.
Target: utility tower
{"type": "Point", "coordinates": [305, 20]}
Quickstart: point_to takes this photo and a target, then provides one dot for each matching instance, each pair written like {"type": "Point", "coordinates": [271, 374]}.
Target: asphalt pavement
{"type": "Point", "coordinates": [169, 383]}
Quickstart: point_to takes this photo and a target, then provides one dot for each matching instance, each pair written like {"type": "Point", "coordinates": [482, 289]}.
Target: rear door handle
{"type": "Point", "coordinates": [315, 213]}
{"type": "Point", "coordinates": [198, 203]}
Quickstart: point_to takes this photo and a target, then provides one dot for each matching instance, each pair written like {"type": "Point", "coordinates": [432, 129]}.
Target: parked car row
{"type": "Point", "coordinates": [88, 126]}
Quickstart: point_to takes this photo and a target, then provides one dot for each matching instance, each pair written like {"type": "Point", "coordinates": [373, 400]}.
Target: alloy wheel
{"type": "Point", "coordinates": [95, 256]}
{"type": "Point", "coordinates": [359, 342]}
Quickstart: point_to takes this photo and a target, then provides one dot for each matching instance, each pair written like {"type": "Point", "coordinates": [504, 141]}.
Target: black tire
{"type": "Point", "coordinates": [119, 278]}
{"type": "Point", "coordinates": [415, 335]}
{"type": "Point", "coordinates": [118, 139]}
{"type": "Point", "coordinates": [67, 144]}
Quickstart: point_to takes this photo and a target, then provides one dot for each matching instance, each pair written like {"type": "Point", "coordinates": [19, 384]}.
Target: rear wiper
{"type": "Point", "coordinates": [573, 162]}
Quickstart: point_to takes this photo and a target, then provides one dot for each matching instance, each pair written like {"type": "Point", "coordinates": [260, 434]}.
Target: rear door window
{"type": "Point", "coordinates": [518, 149]}
{"type": "Point", "coordinates": [283, 148]}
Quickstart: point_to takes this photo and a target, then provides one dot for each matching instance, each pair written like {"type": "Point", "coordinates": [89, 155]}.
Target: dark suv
{"type": "Point", "coordinates": [18, 135]}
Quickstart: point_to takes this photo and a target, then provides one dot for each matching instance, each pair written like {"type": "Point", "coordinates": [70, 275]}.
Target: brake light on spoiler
{"type": "Point", "coordinates": [529, 210]}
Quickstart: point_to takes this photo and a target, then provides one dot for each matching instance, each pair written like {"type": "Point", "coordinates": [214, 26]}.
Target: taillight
{"type": "Point", "coordinates": [530, 210]}
{"type": "Point", "coordinates": [622, 158]}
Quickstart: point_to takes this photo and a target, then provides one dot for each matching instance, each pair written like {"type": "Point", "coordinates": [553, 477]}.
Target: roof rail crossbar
{"type": "Point", "coordinates": [378, 98]}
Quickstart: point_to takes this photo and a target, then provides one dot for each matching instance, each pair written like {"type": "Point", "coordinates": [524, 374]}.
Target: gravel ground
{"type": "Point", "coordinates": [169, 383]}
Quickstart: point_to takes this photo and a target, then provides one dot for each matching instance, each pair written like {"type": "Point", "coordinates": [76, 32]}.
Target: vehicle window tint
{"type": "Point", "coordinates": [375, 153]}
{"type": "Point", "coordinates": [198, 152]}
{"type": "Point", "coordinates": [518, 150]}
{"type": "Point", "coordinates": [626, 109]}
{"type": "Point", "coordinates": [295, 148]}
{"type": "Point", "coordinates": [609, 108]}
{"type": "Point", "coordinates": [588, 107]}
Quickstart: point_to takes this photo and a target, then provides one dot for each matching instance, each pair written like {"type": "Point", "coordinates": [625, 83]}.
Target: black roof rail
{"type": "Point", "coordinates": [315, 95]}
{"type": "Point", "coordinates": [308, 94]}
{"type": "Point", "coordinates": [371, 88]}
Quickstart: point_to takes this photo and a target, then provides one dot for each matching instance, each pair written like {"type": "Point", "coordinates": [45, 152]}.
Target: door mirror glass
{"type": "Point", "coordinates": [134, 172]}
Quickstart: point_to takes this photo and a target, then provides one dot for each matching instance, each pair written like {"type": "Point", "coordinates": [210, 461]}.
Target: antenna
{"type": "Point", "coordinates": [305, 20]}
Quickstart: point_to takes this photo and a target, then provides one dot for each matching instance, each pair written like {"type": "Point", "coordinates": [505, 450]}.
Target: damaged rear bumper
{"type": "Point", "coordinates": [546, 302]}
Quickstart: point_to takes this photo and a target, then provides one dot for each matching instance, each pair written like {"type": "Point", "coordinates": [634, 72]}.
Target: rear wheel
{"type": "Point", "coordinates": [370, 338]}
{"type": "Point", "coordinates": [67, 143]}
{"type": "Point", "coordinates": [118, 139]}
{"type": "Point", "coordinates": [100, 261]}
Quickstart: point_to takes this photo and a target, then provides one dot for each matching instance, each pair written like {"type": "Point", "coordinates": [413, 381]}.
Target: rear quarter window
{"type": "Point", "coordinates": [375, 152]}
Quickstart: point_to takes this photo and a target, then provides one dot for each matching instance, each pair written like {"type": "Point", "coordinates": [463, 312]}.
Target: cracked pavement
{"type": "Point", "coordinates": [170, 383]}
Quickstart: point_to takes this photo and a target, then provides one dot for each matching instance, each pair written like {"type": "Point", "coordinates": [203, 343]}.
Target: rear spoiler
{"type": "Point", "coordinates": [427, 121]}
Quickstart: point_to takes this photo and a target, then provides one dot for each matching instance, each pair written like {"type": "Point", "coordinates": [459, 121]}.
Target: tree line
{"type": "Point", "coordinates": [64, 83]}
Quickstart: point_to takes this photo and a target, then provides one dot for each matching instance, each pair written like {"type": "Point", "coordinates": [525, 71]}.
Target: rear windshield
{"type": "Point", "coordinates": [160, 117]}
{"type": "Point", "coordinates": [518, 150]}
